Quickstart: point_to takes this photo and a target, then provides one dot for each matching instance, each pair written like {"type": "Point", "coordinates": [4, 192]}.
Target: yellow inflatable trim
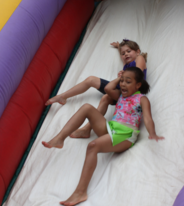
{"type": "Point", "coordinates": [7, 7]}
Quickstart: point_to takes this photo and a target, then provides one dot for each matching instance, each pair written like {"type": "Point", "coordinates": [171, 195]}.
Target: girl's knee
{"type": "Point", "coordinates": [87, 106]}
{"type": "Point", "coordinates": [106, 99]}
{"type": "Point", "coordinates": [92, 147]}
{"type": "Point", "coordinates": [92, 81]}
{"type": "Point", "coordinates": [88, 109]}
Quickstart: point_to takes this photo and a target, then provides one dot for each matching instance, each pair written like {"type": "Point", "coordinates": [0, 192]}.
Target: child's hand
{"type": "Point", "coordinates": [155, 137]}
{"type": "Point", "coordinates": [115, 44]}
{"type": "Point", "coordinates": [120, 73]}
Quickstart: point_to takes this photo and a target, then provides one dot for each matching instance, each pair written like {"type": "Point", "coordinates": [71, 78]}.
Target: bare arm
{"type": "Point", "coordinates": [148, 121]}
{"type": "Point", "coordinates": [140, 62]}
{"type": "Point", "coordinates": [111, 90]}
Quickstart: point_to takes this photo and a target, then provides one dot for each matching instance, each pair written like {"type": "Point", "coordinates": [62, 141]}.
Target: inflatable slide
{"type": "Point", "coordinates": [34, 64]}
{"type": "Point", "coordinates": [150, 173]}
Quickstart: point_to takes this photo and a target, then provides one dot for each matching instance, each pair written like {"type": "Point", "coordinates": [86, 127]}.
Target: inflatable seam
{"type": "Point", "coordinates": [32, 82]}
{"type": "Point", "coordinates": [44, 63]}
{"type": "Point", "coordinates": [3, 180]}
{"type": "Point", "coordinates": [31, 16]}
{"type": "Point", "coordinates": [25, 115]}
{"type": "Point", "coordinates": [53, 51]}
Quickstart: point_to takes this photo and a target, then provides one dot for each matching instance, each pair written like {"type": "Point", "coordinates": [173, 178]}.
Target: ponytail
{"type": "Point", "coordinates": [145, 87]}
{"type": "Point", "coordinates": [144, 55]}
{"type": "Point", "coordinates": [139, 77]}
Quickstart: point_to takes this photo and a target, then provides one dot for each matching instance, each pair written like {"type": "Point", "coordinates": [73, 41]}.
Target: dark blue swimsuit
{"type": "Point", "coordinates": [105, 82]}
{"type": "Point", "coordinates": [133, 64]}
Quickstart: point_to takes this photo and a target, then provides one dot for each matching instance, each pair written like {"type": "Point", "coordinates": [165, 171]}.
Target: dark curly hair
{"type": "Point", "coordinates": [139, 77]}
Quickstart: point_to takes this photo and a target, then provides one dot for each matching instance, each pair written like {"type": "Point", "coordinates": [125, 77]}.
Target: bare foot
{"type": "Point", "coordinates": [57, 98]}
{"type": "Point", "coordinates": [80, 133]}
{"type": "Point", "coordinates": [74, 199]}
{"type": "Point", "coordinates": [55, 142]}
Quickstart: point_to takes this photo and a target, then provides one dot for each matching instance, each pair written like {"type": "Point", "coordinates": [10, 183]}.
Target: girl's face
{"type": "Point", "coordinates": [128, 84]}
{"type": "Point", "coordinates": [128, 55]}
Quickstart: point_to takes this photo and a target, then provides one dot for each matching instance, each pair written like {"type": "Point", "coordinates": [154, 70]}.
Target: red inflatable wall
{"type": "Point", "coordinates": [23, 111]}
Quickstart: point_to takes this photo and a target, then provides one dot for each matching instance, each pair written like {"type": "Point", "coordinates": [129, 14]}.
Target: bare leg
{"type": "Point", "coordinates": [84, 132]}
{"type": "Point", "coordinates": [102, 144]}
{"type": "Point", "coordinates": [97, 120]}
{"type": "Point", "coordinates": [80, 88]}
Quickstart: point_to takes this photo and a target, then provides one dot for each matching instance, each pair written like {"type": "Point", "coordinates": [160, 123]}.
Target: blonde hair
{"type": "Point", "coordinates": [133, 45]}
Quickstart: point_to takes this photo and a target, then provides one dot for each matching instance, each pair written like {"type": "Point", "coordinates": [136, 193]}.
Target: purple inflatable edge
{"type": "Point", "coordinates": [20, 38]}
{"type": "Point", "coordinates": [180, 198]}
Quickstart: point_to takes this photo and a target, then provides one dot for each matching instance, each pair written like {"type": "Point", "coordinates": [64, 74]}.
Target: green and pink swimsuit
{"type": "Point", "coordinates": [128, 111]}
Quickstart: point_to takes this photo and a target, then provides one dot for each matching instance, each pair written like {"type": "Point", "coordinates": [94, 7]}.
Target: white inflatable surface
{"type": "Point", "coordinates": [150, 173]}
